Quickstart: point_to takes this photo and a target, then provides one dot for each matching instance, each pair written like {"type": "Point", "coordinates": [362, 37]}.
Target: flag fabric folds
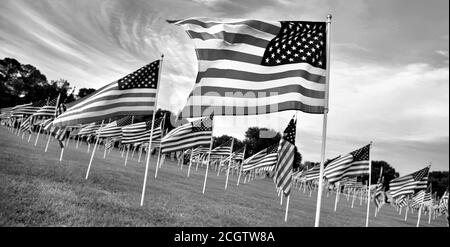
{"type": "Point", "coordinates": [190, 135]}
{"type": "Point", "coordinates": [251, 67]}
{"type": "Point", "coordinates": [410, 183]}
{"type": "Point", "coordinates": [135, 94]}
{"type": "Point", "coordinates": [266, 157]}
{"type": "Point", "coordinates": [26, 124]}
{"type": "Point", "coordinates": [114, 129]}
{"type": "Point", "coordinates": [140, 132]}
{"type": "Point", "coordinates": [61, 135]}
{"type": "Point", "coordinates": [353, 164]}
{"type": "Point", "coordinates": [222, 150]}
{"type": "Point", "coordinates": [286, 158]}
{"type": "Point", "coordinates": [48, 110]}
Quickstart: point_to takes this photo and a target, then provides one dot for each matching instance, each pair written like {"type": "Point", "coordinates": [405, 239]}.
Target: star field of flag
{"type": "Point", "coordinates": [289, 132]}
{"type": "Point", "coordinates": [202, 125]}
{"type": "Point", "coordinates": [361, 154]}
{"type": "Point", "coordinates": [297, 42]}
{"type": "Point", "coordinates": [145, 77]}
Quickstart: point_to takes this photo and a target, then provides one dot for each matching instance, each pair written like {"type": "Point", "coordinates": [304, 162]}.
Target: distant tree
{"type": "Point", "coordinates": [389, 173]}
{"type": "Point", "coordinates": [85, 91]}
{"type": "Point", "coordinates": [256, 141]}
{"type": "Point", "coordinates": [20, 84]}
{"type": "Point", "coordinates": [438, 181]}
{"type": "Point", "coordinates": [237, 145]}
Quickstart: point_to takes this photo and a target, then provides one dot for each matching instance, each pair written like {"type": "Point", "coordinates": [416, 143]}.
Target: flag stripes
{"type": "Point", "coordinates": [117, 99]}
{"type": "Point", "coordinates": [353, 164]}
{"type": "Point", "coordinates": [410, 183]}
{"type": "Point", "coordinates": [188, 136]}
{"type": "Point", "coordinates": [231, 78]}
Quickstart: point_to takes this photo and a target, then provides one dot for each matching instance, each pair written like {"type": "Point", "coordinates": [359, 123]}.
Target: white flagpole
{"type": "Point", "coordinates": [368, 189]}
{"type": "Point", "coordinates": [29, 137]}
{"type": "Point", "coordinates": [338, 191]}
{"type": "Point", "coordinates": [242, 162]}
{"type": "Point", "coordinates": [140, 153]}
{"type": "Point", "coordinates": [190, 162]}
{"type": "Point", "coordinates": [78, 141]}
{"type": "Point", "coordinates": [229, 163]}
{"type": "Point", "coordinates": [418, 217]}
{"type": "Point", "coordinates": [48, 140]}
{"type": "Point", "coordinates": [161, 125]}
{"type": "Point", "coordinates": [209, 156]}
{"type": "Point", "coordinates": [93, 152]}
{"type": "Point", "coordinates": [324, 130]}
{"type": "Point", "coordinates": [287, 208]}
{"type": "Point", "coordinates": [151, 131]}
{"type": "Point", "coordinates": [128, 150]}
{"type": "Point", "coordinates": [37, 137]}
{"type": "Point", "coordinates": [406, 213]}
{"type": "Point", "coordinates": [61, 155]}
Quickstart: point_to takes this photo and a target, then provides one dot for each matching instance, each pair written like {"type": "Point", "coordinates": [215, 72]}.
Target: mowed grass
{"type": "Point", "coordinates": [37, 190]}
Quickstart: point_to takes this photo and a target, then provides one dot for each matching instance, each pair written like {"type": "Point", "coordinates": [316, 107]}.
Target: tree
{"type": "Point", "coordinates": [257, 139]}
{"type": "Point", "coordinates": [389, 173]}
{"type": "Point", "coordinates": [438, 181]}
{"type": "Point", "coordinates": [20, 84]}
{"type": "Point", "coordinates": [85, 91]}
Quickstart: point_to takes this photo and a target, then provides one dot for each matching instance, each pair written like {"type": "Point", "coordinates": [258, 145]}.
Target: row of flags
{"type": "Point", "coordinates": [246, 67]}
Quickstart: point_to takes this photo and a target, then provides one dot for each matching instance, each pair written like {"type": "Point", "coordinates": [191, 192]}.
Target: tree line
{"type": "Point", "coordinates": [24, 83]}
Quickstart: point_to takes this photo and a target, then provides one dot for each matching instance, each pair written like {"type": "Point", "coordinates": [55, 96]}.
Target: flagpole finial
{"type": "Point", "coordinates": [329, 16]}
{"type": "Point", "coordinates": [162, 56]}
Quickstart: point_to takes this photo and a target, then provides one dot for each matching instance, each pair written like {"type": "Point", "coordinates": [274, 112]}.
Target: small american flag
{"type": "Point", "coordinates": [286, 158]}
{"type": "Point", "coordinates": [409, 184]}
{"type": "Point", "coordinates": [353, 164]}
{"type": "Point", "coordinates": [134, 94]}
{"type": "Point", "coordinates": [187, 136]}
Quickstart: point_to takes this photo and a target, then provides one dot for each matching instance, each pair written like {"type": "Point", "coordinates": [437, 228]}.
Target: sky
{"type": "Point", "coordinates": [389, 76]}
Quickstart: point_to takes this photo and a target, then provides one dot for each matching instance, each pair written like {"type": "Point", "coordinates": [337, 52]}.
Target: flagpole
{"type": "Point", "coordinates": [338, 191]}
{"type": "Point", "coordinates": [151, 131]}
{"type": "Point", "coordinates": [161, 125]}
{"type": "Point", "coordinates": [368, 192]}
{"type": "Point", "coordinates": [190, 162]}
{"type": "Point", "coordinates": [324, 130]}
{"type": "Point", "coordinates": [242, 163]}
{"type": "Point", "coordinates": [229, 163]}
{"type": "Point", "coordinates": [93, 152]}
{"type": "Point", "coordinates": [37, 137]}
{"type": "Point", "coordinates": [48, 140]}
{"type": "Point", "coordinates": [209, 157]}
{"type": "Point", "coordinates": [418, 217]}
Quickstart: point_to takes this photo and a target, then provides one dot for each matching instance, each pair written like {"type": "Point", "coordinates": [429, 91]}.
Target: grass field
{"type": "Point", "coordinates": [37, 190]}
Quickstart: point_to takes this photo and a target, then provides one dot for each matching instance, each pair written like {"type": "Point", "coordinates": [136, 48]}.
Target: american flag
{"type": "Point", "coordinates": [114, 129]}
{"type": "Point", "coordinates": [190, 135]}
{"type": "Point", "coordinates": [418, 198]}
{"type": "Point", "coordinates": [61, 135]}
{"type": "Point", "coordinates": [140, 132]}
{"type": "Point", "coordinates": [251, 67]}
{"type": "Point", "coordinates": [443, 203]}
{"type": "Point", "coordinates": [26, 125]}
{"type": "Point", "coordinates": [380, 195]}
{"type": "Point", "coordinates": [89, 129]}
{"type": "Point", "coordinates": [27, 109]}
{"type": "Point", "coordinates": [134, 94]}
{"type": "Point", "coordinates": [46, 124]}
{"type": "Point", "coordinates": [410, 183]}
{"type": "Point", "coordinates": [223, 150]}
{"type": "Point", "coordinates": [266, 157]}
{"type": "Point", "coordinates": [353, 164]}
{"type": "Point", "coordinates": [48, 110]}
{"type": "Point", "coordinates": [286, 158]}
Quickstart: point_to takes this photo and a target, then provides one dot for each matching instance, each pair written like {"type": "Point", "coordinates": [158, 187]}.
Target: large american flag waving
{"type": "Point", "coordinates": [250, 67]}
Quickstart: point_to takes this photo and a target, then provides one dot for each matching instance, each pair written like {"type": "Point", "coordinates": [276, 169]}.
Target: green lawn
{"type": "Point", "coordinates": [37, 190]}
